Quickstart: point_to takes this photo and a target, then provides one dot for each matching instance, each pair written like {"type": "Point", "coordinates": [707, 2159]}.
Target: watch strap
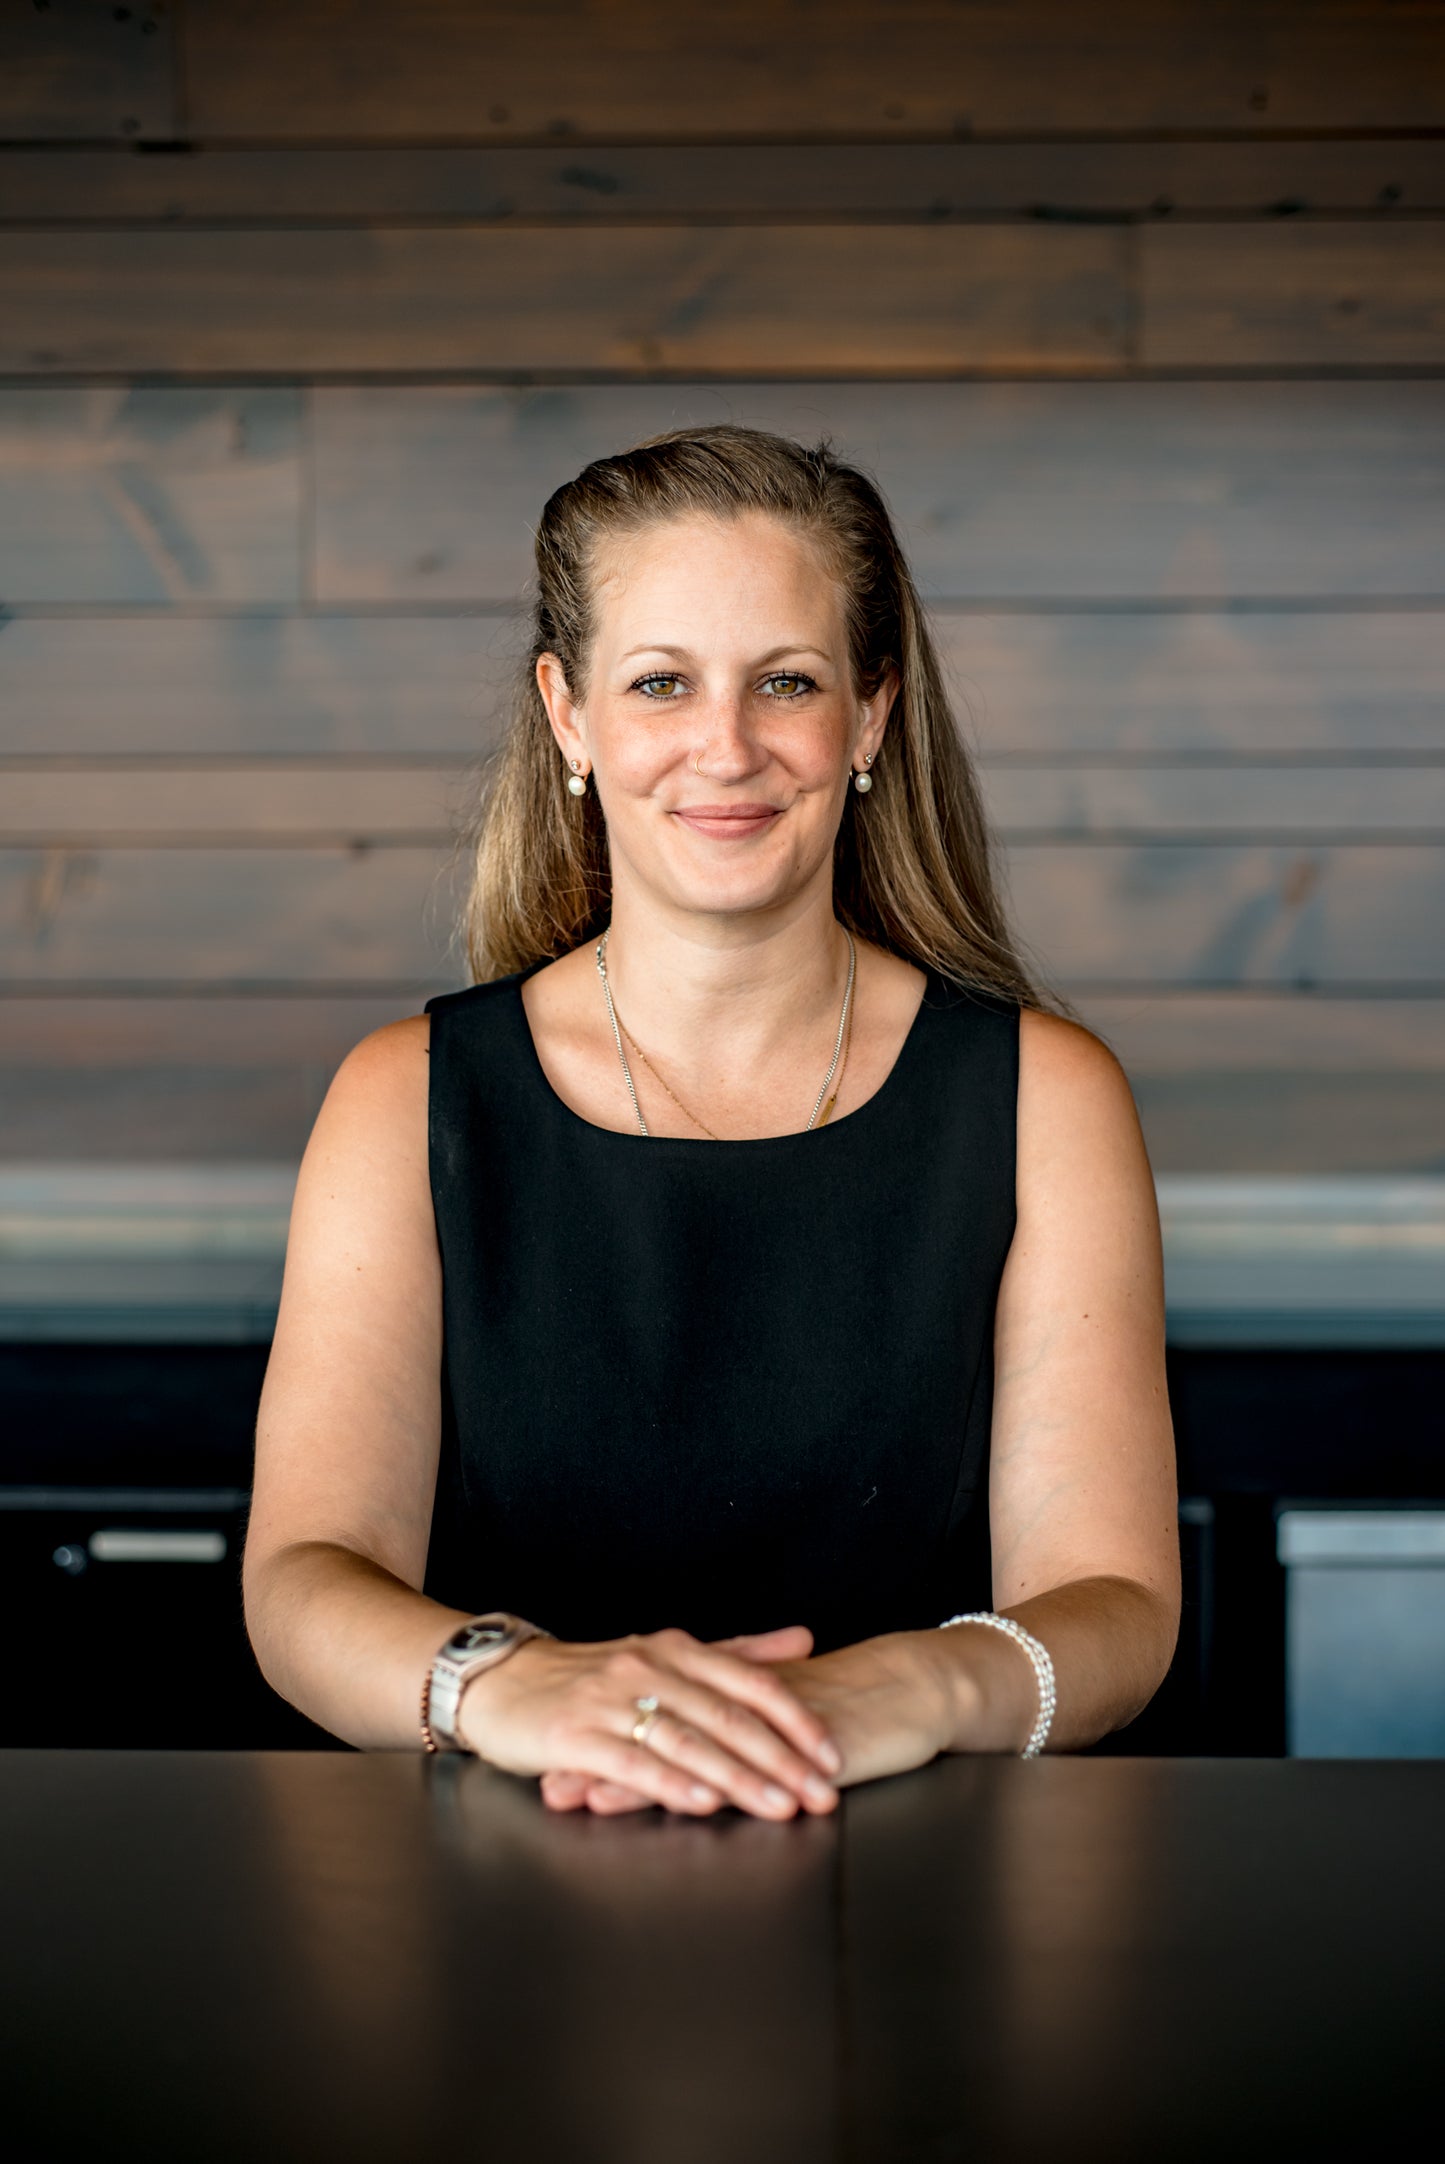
{"type": "Point", "coordinates": [449, 1674]}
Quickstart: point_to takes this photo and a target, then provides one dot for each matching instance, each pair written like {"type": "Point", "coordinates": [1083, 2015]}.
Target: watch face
{"type": "Point", "coordinates": [474, 1638]}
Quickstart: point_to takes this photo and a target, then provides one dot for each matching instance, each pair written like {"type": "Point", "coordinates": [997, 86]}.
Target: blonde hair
{"type": "Point", "coordinates": [913, 863]}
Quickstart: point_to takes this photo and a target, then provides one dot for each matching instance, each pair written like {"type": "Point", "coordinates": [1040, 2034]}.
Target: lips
{"type": "Point", "coordinates": [727, 822]}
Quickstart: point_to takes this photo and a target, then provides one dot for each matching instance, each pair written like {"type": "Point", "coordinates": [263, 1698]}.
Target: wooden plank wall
{"type": "Point", "coordinates": [1140, 320]}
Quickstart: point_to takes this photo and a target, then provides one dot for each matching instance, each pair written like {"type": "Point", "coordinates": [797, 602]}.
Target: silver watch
{"type": "Point", "coordinates": [477, 1644]}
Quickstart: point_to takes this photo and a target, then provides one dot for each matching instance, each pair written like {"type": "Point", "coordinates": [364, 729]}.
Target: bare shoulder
{"type": "Point", "coordinates": [383, 1076]}
{"type": "Point", "coordinates": [1058, 1053]}
{"type": "Point", "coordinates": [1073, 1091]}
{"type": "Point", "coordinates": [346, 1437]}
{"type": "Point", "coordinates": [371, 1132]}
{"type": "Point", "coordinates": [1082, 1172]}
{"type": "Point", "coordinates": [391, 1060]}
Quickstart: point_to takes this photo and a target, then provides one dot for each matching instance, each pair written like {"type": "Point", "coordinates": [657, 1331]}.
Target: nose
{"type": "Point", "coordinates": [732, 750]}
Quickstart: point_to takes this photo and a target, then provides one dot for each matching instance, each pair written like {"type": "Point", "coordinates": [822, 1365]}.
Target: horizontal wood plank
{"type": "Point", "coordinates": [313, 1030]}
{"type": "Point", "coordinates": [815, 300]}
{"type": "Point", "coordinates": [71, 806]}
{"type": "Point", "coordinates": [1108, 916]}
{"type": "Point", "coordinates": [1199, 683]}
{"type": "Point", "coordinates": [1175, 1033]}
{"type": "Point", "coordinates": [1007, 491]}
{"type": "Point", "coordinates": [636, 69]}
{"type": "Point", "coordinates": [1299, 294]}
{"type": "Point", "coordinates": [85, 69]}
{"type": "Point", "coordinates": [228, 805]}
{"type": "Point", "coordinates": [1102, 915]}
{"type": "Point", "coordinates": [1052, 685]}
{"type": "Point", "coordinates": [826, 300]}
{"type": "Point", "coordinates": [1298, 1122]}
{"type": "Point", "coordinates": [257, 685]}
{"type": "Point", "coordinates": [377, 919]}
{"type": "Point", "coordinates": [138, 494]}
{"type": "Point", "coordinates": [1021, 492]}
{"type": "Point", "coordinates": [1184, 1034]}
{"type": "Point", "coordinates": [149, 1113]}
{"type": "Point", "coordinates": [1216, 802]}
{"type": "Point", "coordinates": [677, 183]}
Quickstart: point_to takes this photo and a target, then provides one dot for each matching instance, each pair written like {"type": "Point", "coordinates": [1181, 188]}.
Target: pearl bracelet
{"type": "Point", "coordinates": [1043, 1669]}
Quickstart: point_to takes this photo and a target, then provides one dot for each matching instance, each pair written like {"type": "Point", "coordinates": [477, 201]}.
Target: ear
{"type": "Point", "coordinates": [569, 721]}
{"type": "Point", "coordinates": [873, 714]}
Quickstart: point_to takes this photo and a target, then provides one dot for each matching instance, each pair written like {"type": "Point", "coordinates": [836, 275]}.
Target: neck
{"type": "Point", "coordinates": [726, 992]}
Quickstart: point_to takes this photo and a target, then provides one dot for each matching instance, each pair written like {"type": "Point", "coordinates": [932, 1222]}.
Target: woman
{"type": "Point", "coordinates": [749, 1274]}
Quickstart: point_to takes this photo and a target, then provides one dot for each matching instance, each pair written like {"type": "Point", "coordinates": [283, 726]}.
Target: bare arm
{"type": "Point", "coordinates": [1084, 1511]}
{"type": "Point", "coordinates": [348, 1434]}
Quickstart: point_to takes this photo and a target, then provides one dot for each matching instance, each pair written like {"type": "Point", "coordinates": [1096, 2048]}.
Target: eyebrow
{"type": "Point", "coordinates": [680, 653]}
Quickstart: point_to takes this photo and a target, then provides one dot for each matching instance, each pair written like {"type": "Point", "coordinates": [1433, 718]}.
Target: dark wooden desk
{"type": "Point", "coordinates": [311, 1956]}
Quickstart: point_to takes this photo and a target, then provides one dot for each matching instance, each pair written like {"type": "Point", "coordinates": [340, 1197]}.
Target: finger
{"type": "Point", "coordinates": [792, 1642]}
{"type": "Point", "coordinates": [633, 1766]}
{"type": "Point", "coordinates": [753, 1685]}
{"type": "Point", "coordinates": [608, 1799]}
{"type": "Point", "coordinates": [741, 1735]}
{"type": "Point", "coordinates": [564, 1791]}
{"type": "Point", "coordinates": [568, 1791]}
{"type": "Point", "coordinates": [742, 1757]}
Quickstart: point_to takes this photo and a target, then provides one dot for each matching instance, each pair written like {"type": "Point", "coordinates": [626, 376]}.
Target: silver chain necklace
{"type": "Point", "coordinates": [622, 1056]}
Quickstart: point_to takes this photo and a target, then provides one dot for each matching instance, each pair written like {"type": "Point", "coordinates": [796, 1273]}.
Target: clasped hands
{"type": "Point", "coordinates": [756, 1721]}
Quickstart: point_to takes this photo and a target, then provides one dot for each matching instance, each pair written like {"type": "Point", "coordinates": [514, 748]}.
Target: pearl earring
{"type": "Point", "coordinates": [864, 782]}
{"type": "Point", "coordinates": [577, 780]}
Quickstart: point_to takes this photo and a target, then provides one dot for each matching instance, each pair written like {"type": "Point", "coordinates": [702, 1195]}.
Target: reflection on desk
{"type": "Point", "coordinates": [362, 1955]}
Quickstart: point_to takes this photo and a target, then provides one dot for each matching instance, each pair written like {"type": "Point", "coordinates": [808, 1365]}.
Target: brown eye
{"type": "Point", "coordinates": [789, 685]}
{"type": "Point", "coordinates": [657, 687]}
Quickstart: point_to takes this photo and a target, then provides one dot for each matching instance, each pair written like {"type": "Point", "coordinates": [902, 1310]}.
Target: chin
{"type": "Point", "coordinates": [734, 897]}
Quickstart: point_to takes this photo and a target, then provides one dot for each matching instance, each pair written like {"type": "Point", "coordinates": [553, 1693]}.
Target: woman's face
{"type": "Point", "coordinates": [719, 721]}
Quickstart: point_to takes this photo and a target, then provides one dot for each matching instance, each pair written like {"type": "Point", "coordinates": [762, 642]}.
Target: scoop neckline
{"type": "Point", "coordinates": [699, 1142]}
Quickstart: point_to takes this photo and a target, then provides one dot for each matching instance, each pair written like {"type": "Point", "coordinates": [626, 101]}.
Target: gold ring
{"type": "Point", "coordinates": [647, 1712]}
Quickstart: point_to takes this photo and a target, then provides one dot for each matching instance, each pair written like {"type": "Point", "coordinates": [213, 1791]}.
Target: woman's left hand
{"type": "Point", "coordinates": [886, 1701]}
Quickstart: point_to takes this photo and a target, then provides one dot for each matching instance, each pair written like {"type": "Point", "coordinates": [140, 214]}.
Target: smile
{"type": "Point", "coordinates": [728, 822]}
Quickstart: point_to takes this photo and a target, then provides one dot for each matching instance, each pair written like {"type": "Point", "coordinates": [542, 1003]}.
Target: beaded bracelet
{"type": "Point", "coordinates": [1043, 1669]}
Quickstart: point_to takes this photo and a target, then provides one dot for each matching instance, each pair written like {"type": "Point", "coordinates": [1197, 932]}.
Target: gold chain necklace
{"type": "Point", "coordinates": [836, 1068]}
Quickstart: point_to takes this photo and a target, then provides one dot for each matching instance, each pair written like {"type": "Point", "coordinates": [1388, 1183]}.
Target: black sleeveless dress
{"type": "Point", "coordinates": [719, 1385]}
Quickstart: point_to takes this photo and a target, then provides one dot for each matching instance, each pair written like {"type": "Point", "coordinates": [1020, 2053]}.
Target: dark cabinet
{"type": "Point", "coordinates": [122, 1610]}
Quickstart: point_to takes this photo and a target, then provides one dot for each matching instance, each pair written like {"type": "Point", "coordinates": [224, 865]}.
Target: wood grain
{"type": "Point", "coordinates": [65, 805]}
{"type": "Point", "coordinates": [136, 494]}
{"type": "Point", "coordinates": [228, 806]}
{"type": "Point", "coordinates": [1183, 1034]}
{"type": "Point", "coordinates": [1042, 493]}
{"type": "Point", "coordinates": [1055, 686]}
{"type": "Point", "coordinates": [786, 300]}
{"type": "Point", "coordinates": [1214, 802]}
{"type": "Point", "coordinates": [640, 69]}
{"type": "Point", "coordinates": [375, 919]}
{"type": "Point", "coordinates": [1174, 1032]}
{"type": "Point", "coordinates": [85, 69]}
{"type": "Point", "coordinates": [1311, 294]}
{"type": "Point", "coordinates": [1245, 683]}
{"type": "Point", "coordinates": [677, 183]}
{"type": "Point", "coordinates": [1103, 915]}
{"type": "Point", "coordinates": [264, 685]}
{"type": "Point", "coordinates": [815, 300]}
{"type": "Point", "coordinates": [1109, 915]}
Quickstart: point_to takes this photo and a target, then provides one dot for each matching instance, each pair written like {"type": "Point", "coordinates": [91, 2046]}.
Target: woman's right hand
{"type": "Point", "coordinates": [728, 1730]}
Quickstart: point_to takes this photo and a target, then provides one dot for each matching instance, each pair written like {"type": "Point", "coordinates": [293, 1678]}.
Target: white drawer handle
{"type": "Point", "coordinates": [116, 1544]}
